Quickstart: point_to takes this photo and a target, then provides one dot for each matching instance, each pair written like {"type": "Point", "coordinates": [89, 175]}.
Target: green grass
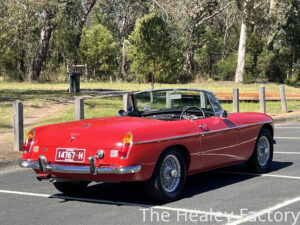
{"type": "Point", "coordinates": [213, 86]}
{"type": "Point", "coordinates": [93, 108]}
{"type": "Point", "coordinates": [32, 99]}
{"type": "Point", "coordinates": [272, 107]}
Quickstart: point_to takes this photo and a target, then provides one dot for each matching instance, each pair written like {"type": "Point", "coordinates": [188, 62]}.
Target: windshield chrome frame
{"type": "Point", "coordinates": [180, 89]}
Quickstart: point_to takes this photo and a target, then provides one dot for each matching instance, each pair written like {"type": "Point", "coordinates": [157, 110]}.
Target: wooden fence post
{"type": "Point", "coordinates": [86, 73]}
{"type": "Point", "coordinates": [126, 102]}
{"type": "Point", "coordinates": [283, 99]}
{"type": "Point", "coordinates": [18, 124]}
{"type": "Point", "coordinates": [262, 99]}
{"type": "Point", "coordinates": [79, 108]}
{"type": "Point", "coordinates": [236, 100]}
{"type": "Point", "coordinates": [110, 79]}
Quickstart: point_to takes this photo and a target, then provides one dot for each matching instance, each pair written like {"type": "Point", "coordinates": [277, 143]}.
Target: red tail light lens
{"type": "Point", "coordinates": [29, 140]}
{"type": "Point", "coordinates": [127, 143]}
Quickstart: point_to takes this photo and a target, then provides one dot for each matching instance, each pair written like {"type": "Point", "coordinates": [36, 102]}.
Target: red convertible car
{"type": "Point", "coordinates": [163, 136]}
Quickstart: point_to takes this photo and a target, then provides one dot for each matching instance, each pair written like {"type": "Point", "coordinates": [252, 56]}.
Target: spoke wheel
{"type": "Point", "coordinates": [262, 155]}
{"type": "Point", "coordinates": [170, 173]}
{"type": "Point", "coordinates": [263, 151]}
{"type": "Point", "coordinates": [168, 179]}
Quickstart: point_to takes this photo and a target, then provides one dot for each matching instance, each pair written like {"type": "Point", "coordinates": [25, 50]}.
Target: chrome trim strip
{"type": "Point", "coordinates": [230, 146]}
{"type": "Point", "coordinates": [196, 134]}
{"type": "Point", "coordinates": [81, 169]}
{"type": "Point", "coordinates": [29, 164]}
{"type": "Point", "coordinates": [166, 139]}
{"type": "Point", "coordinates": [119, 170]}
{"type": "Point", "coordinates": [68, 169]}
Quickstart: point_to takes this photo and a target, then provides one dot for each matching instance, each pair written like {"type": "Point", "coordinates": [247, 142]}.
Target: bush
{"type": "Point", "coordinates": [273, 67]}
{"type": "Point", "coordinates": [99, 50]}
{"type": "Point", "coordinates": [227, 67]}
{"type": "Point", "coordinates": [153, 50]}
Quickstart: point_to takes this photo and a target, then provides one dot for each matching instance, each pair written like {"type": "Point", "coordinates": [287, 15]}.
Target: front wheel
{"type": "Point", "coordinates": [168, 179]}
{"type": "Point", "coordinates": [71, 188]}
{"type": "Point", "coordinates": [262, 156]}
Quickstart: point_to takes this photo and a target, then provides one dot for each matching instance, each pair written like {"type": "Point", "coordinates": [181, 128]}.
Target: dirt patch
{"type": "Point", "coordinates": [6, 138]}
{"type": "Point", "coordinates": [289, 114]}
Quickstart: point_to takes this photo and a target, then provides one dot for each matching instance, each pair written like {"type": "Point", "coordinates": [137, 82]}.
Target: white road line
{"type": "Point", "coordinates": [73, 198]}
{"type": "Point", "coordinates": [287, 127]}
{"type": "Point", "coordinates": [25, 193]}
{"type": "Point", "coordinates": [292, 153]}
{"type": "Point", "coordinates": [265, 211]}
{"type": "Point", "coordinates": [288, 138]}
{"type": "Point", "coordinates": [219, 214]}
{"type": "Point", "coordinates": [259, 175]}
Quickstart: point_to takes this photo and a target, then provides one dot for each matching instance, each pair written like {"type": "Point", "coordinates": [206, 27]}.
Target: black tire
{"type": "Point", "coordinates": [71, 188]}
{"type": "Point", "coordinates": [253, 163]}
{"type": "Point", "coordinates": [154, 186]}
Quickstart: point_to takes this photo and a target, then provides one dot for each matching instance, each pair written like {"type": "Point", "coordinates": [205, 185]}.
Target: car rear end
{"type": "Point", "coordinates": [73, 151]}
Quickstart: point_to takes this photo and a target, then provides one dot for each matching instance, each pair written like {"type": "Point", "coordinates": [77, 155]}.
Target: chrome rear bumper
{"type": "Point", "coordinates": [77, 169]}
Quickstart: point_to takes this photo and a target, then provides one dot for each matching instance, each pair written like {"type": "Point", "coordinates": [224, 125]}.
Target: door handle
{"type": "Point", "coordinates": [203, 127]}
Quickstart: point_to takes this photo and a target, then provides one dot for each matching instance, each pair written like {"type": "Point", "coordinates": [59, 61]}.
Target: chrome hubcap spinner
{"type": "Point", "coordinates": [170, 173]}
{"type": "Point", "coordinates": [263, 151]}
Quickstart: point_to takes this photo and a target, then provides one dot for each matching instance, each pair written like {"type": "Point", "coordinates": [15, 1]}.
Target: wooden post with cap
{"type": "Point", "coordinates": [262, 99]}
{"type": "Point", "coordinates": [18, 125]}
{"type": "Point", "coordinates": [235, 100]}
{"type": "Point", "coordinates": [283, 99]}
{"type": "Point", "coordinates": [79, 108]}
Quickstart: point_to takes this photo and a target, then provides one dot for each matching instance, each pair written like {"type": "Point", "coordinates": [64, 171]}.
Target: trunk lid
{"type": "Point", "coordinates": [102, 133]}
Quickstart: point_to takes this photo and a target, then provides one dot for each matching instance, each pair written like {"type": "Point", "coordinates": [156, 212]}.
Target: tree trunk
{"type": "Point", "coordinates": [239, 73]}
{"type": "Point", "coordinates": [123, 62]}
{"type": "Point", "coordinates": [21, 65]}
{"type": "Point", "coordinates": [189, 62]}
{"type": "Point", "coordinates": [41, 51]}
{"type": "Point", "coordinates": [89, 6]}
{"type": "Point", "coordinates": [293, 63]}
{"type": "Point", "coordinates": [271, 35]}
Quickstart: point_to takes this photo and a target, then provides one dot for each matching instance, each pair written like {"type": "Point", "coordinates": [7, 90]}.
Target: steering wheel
{"type": "Point", "coordinates": [184, 112]}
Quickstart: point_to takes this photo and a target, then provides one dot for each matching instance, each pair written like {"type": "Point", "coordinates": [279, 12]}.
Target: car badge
{"type": "Point", "coordinates": [72, 138]}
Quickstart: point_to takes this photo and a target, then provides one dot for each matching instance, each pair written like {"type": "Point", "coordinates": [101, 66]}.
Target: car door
{"type": "Point", "coordinates": [219, 141]}
{"type": "Point", "coordinates": [218, 137]}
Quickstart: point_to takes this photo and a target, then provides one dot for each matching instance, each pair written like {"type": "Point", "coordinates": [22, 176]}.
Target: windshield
{"type": "Point", "coordinates": [169, 99]}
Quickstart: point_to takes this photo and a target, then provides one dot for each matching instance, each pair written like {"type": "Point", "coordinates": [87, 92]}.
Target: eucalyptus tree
{"type": "Point", "coordinates": [155, 54]}
{"type": "Point", "coordinates": [194, 18]}
{"type": "Point", "coordinates": [48, 14]}
{"type": "Point", "coordinates": [248, 10]}
{"type": "Point", "coordinates": [48, 11]}
{"type": "Point", "coordinates": [98, 49]}
{"type": "Point", "coordinates": [18, 32]}
{"type": "Point", "coordinates": [119, 17]}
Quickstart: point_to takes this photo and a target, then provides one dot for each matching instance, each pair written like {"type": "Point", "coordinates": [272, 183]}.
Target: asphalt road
{"type": "Point", "coordinates": [226, 196]}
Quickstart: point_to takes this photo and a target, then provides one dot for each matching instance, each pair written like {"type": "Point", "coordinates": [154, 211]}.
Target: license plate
{"type": "Point", "coordinates": [70, 155]}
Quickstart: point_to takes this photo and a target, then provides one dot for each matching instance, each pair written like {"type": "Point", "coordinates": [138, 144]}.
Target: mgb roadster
{"type": "Point", "coordinates": [159, 138]}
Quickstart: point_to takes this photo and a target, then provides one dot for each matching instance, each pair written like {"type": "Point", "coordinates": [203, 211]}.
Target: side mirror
{"type": "Point", "coordinates": [121, 112]}
{"type": "Point", "coordinates": [225, 114]}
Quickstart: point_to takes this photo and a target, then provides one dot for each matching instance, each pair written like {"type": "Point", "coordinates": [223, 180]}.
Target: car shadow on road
{"type": "Point", "coordinates": [204, 182]}
{"type": "Point", "coordinates": [133, 192]}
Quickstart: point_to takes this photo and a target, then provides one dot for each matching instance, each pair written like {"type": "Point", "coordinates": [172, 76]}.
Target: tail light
{"type": "Point", "coordinates": [29, 140]}
{"type": "Point", "coordinates": [127, 143]}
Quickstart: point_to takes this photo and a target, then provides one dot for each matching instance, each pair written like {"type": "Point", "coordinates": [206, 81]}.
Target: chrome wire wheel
{"type": "Point", "coordinates": [263, 151]}
{"type": "Point", "coordinates": [170, 173]}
